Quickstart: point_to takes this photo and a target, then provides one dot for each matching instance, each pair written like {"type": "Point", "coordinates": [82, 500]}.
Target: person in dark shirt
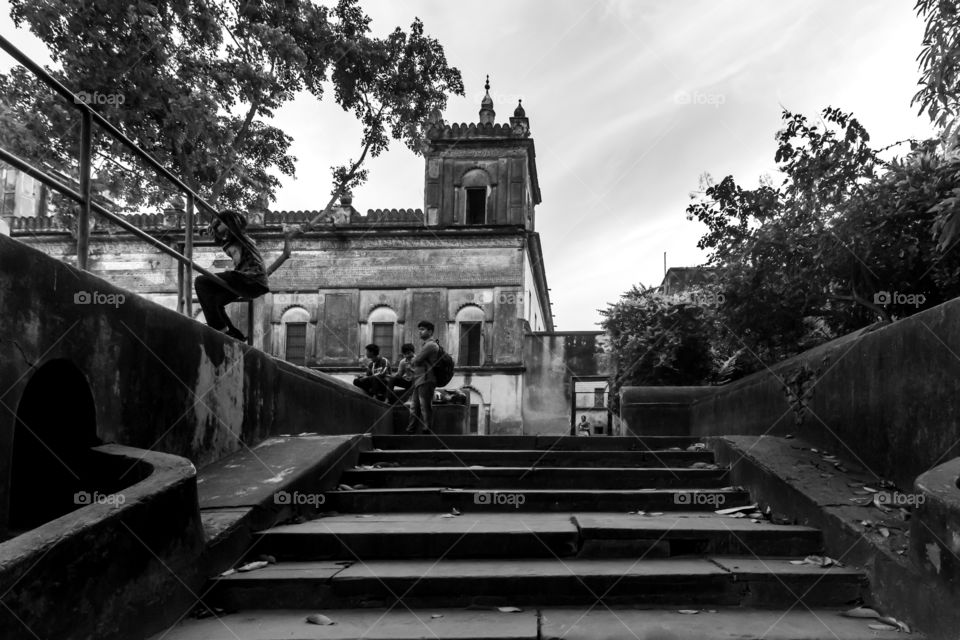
{"type": "Point", "coordinates": [404, 376]}
{"type": "Point", "coordinates": [373, 380]}
{"type": "Point", "coordinates": [249, 276]}
{"type": "Point", "coordinates": [424, 380]}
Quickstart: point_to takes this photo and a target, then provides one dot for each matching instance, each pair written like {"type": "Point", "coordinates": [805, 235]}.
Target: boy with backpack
{"type": "Point", "coordinates": [424, 380]}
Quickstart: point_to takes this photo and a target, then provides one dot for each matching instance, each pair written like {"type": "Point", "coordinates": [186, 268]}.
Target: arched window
{"type": "Point", "coordinates": [383, 331]}
{"type": "Point", "coordinates": [293, 323]}
{"type": "Point", "coordinates": [476, 189]}
{"type": "Point", "coordinates": [470, 335]}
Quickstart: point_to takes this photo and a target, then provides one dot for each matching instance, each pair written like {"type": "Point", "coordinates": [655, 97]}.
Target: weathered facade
{"type": "Point", "coordinates": [470, 262]}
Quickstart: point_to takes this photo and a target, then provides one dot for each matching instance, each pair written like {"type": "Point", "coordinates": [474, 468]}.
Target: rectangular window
{"type": "Point", "coordinates": [383, 338]}
{"type": "Point", "coordinates": [474, 419]}
{"type": "Point", "coordinates": [598, 394]}
{"type": "Point", "coordinates": [469, 344]}
{"type": "Point", "coordinates": [296, 343]}
{"type": "Point", "coordinates": [477, 205]}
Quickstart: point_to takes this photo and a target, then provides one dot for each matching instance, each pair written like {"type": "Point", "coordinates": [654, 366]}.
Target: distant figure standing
{"type": "Point", "coordinates": [373, 380]}
{"type": "Point", "coordinates": [424, 380]}
{"type": "Point", "coordinates": [249, 276]}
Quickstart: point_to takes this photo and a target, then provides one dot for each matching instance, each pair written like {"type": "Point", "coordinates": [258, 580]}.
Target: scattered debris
{"type": "Point", "coordinates": [654, 513]}
{"type": "Point", "coordinates": [885, 532]}
{"type": "Point", "coordinates": [358, 487]}
{"type": "Point", "coordinates": [881, 627]}
{"type": "Point", "coordinates": [789, 436]}
{"type": "Point", "coordinates": [267, 558]}
{"type": "Point", "coordinates": [819, 561]}
{"type": "Point", "coordinates": [344, 487]}
{"type": "Point", "coordinates": [436, 615]}
{"type": "Point", "coordinates": [228, 572]}
{"type": "Point", "coordinates": [455, 511]}
{"type": "Point", "coordinates": [253, 566]}
{"type": "Point", "coordinates": [728, 511]}
{"type": "Point", "coordinates": [319, 618]}
{"type": "Point", "coordinates": [860, 612]}
{"type": "Point", "coordinates": [509, 609]}
{"type": "Point", "coordinates": [689, 612]}
{"type": "Point", "coordinates": [885, 623]}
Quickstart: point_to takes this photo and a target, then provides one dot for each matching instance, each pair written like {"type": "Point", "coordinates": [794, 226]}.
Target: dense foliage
{"type": "Point", "coordinates": [194, 82]}
{"type": "Point", "coordinates": [846, 240]}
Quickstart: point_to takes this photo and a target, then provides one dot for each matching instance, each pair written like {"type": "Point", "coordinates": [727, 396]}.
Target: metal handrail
{"type": "Point", "coordinates": [84, 196]}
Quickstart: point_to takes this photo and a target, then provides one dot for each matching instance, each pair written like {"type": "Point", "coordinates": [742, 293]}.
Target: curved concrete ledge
{"type": "Point", "coordinates": [113, 568]}
{"type": "Point", "coordinates": [935, 525]}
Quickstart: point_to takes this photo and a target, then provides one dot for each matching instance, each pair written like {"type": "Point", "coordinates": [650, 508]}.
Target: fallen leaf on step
{"type": "Point", "coordinates": [360, 486]}
{"type": "Point", "coordinates": [881, 627]}
{"type": "Point", "coordinates": [436, 615]}
{"type": "Point", "coordinates": [253, 566]}
{"type": "Point", "coordinates": [689, 612]}
{"type": "Point", "coordinates": [228, 572]}
{"type": "Point", "coordinates": [755, 521]}
{"type": "Point", "coordinates": [756, 514]}
{"type": "Point", "coordinates": [268, 559]}
{"type": "Point", "coordinates": [699, 465]}
{"type": "Point", "coordinates": [344, 487]}
{"type": "Point", "coordinates": [728, 511]}
{"type": "Point", "coordinates": [319, 618]}
{"type": "Point", "coordinates": [819, 561]}
{"type": "Point", "coordinates": [738, 515]}
{"type": "Point", "coordinates": [885, 532]}
{"type": "Point", "coordinates": [509, 609]}
{"type": "Point", "coordinates": [655, 513]}
{"type": "Point", "coordinates": [455, 511]}
{"type": "Point", "coordinates": [861, 612]}
{"type": "Point", "coordinates": [448, 515]}
{"type": "Point", "coordinates": [789, 436]}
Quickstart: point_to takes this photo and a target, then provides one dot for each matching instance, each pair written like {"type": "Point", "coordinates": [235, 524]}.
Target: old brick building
{"type": "Point", "coordinates": [470, 262]}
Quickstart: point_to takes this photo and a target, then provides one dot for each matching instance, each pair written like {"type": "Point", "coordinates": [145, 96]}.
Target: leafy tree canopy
{"type": "Point", "coordinates": [194, 81]}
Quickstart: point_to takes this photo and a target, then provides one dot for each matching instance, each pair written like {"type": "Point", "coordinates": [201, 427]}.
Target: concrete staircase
{"type": "Point", "coordinates": [445, 536]}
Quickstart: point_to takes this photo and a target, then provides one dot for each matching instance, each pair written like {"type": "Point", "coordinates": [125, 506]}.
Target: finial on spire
{"type": "Point", "coordinates": [487, 114]}
{"type": "Point", "coordinates": [519, 112]}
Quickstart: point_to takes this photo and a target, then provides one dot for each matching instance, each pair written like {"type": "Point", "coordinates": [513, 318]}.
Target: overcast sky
{"type": "Point", "coordinates": [629, 101]}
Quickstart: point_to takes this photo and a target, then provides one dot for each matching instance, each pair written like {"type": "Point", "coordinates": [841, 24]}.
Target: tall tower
{"type": "Point", "coordinates": [481, 174]}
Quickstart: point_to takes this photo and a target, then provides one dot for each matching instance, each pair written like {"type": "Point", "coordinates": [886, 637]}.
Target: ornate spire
{"type": "Point", "coordinates": [519, 112]}
{"type": "Point", "coordinates": [487, 114]}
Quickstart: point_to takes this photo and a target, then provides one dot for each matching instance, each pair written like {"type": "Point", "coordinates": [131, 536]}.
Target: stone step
{"type": "Point", "coordinates": [534, 458]}
{"type": "Point", "coordinates": [521, 478]}
{"type": "Point", "coordinates": [721, 581]}
{"type": "Point", "coordinates": [553, 443]}
{"type": "Point", "coordinates": [531, 500]}
{"type": "Point", "coordinates": [498, 535]}
{"type": "Point", "coordinates": [597, 623]}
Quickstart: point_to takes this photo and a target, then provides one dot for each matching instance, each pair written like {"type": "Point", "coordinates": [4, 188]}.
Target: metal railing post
{"type": "Point", "coordinates": [187, 285]}
{"type": "Point", "coordinates": [83, 216]}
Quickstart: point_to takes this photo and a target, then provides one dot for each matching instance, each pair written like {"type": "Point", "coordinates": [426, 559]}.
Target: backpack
{"type": "Point", "coordinates": [443, 368]}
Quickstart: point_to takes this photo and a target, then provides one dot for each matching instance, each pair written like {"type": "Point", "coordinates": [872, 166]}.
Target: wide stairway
{"type": "Point", "coordinates": [536, 537]}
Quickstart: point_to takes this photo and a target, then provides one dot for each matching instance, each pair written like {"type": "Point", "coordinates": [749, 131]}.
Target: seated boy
{"type": "Point", "coordinates": [404, 376]}
{"type": "Point", "coordinates": [375, 372]}
{"type": "Point", "coordinates": [249, 276]}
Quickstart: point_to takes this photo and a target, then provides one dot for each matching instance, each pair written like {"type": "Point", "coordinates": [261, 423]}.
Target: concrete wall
{"type": "Point", "coordinates": [159, 380]}
{"type": "Point", "coordinates": [551, 361]}
{"type": "Point", "coordinates": [888, 400]}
